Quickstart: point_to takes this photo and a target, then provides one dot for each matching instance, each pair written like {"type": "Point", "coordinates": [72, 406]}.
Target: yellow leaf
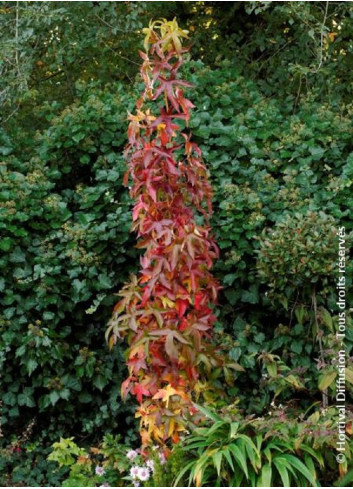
{"type": "Point", "coordinates": [112, 341]}
{"type": "Point", "coordinates": [349, 375]}
{"type": "Point", "coordinates": [171, 427]}
{"type": "Point", "coordinates": [167, 303]}
{"type": "Point", "coordinates": [165, 394]}
{"type": "Point", "coordinates": [198, 478]}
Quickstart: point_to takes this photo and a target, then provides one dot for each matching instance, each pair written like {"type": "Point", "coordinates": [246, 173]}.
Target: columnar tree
{"type": "Point", "coordinates": [166, 313]}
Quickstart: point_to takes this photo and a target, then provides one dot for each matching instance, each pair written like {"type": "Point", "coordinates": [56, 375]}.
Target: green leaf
{"type": "Point", "coordinates": [78, 137]}
{"type": "Point", "coordinates": [349, 375]}
{"type": "Point", "coordinates": [182, 472]}
{"type": "Point", "coordinates": [326, 318]}
{"type": "Point", "coordinates": [299, 466]}
{"type": "Point", "coordinates": [310, 465]}
{"type": "Point", "coordinates": [240, 458]}
{"type": "Point", "coordinates": [229, 278]}
{"type": "Point", "coordinates": [346, 480]}
{"type": "Point", "coordinates": [17, 256]}
{"type": "Point", "coordinates": [272, 369]}
{"type": "Point", "coordinates": [314, 453]}
{"type": "Point", "coordinates": [233, 429]}
{"type": "Point", "coordinates": [250, 295]}
{"type": "Point", "coordinates": [327, 379]}
{"type": "Point", "coordinates": [227, 455]}
{"type": "Point", "coordinates": [317, 152]}
{"type": "Point", "coordinates": [6, 244]}
{"type": "Point", "coordinates": [10, 398]}
{"type": "Point", "coordinates": [54, 396]}
{"type": "Point", "coordinates": [104, 281]}
{"type": "Point", "coordinates": [217, 460]}
{"type": "Point", "coordinates": [64, 394]}
{"type": "Point", "coordinates": [31, 365]}
{"type": "Point", "coordinates": [282, 472]}
{"type": "Point", "coordinates": [100, 382]}
{"type": "Point", "coordinates": [268, 454]}
{"type": "Point", "coordinates": [296, 346]}
{"type": "Point", "coordinates": [208, 412]}
{"type": "Point", "coordinates": [85, 159]}
{"type": "Point", "coordinates": [251, 450]}
{"type": "Point", "coordinates": [26, 398]}
{"type": "Point", "coordinates": [265, 476]}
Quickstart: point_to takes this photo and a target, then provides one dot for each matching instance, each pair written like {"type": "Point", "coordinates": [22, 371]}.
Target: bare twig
{"type": "Point", "coordinates": [321, 52]}
{"type": "Point", "coordinates": [11, 114]}
{"type": "Point", "coordinates": [17, 48]}
{"type": "Point", "coordinates": [112, 27]}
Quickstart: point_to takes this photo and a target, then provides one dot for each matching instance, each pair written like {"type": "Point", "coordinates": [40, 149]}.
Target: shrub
{"type": "Point", "coordinates": [115, 464]}
{"type": "Point", "coordinates": [299, 255]}
{"type": "Point", "coordinates": [269, 162]}
{"type": "Point", "coordinates": [65, 248]}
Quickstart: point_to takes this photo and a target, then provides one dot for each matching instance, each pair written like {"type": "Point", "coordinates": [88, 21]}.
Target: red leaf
{"type": "Point", "coordinates": [198, 300]}
{"type": "Point", "coordinates": [183, 324]}
{"type": "Point", "coordinates": [126, 387]}
{"type": "Point", "coordinates": [126, 178]}
{"type": "Point", "coordinates": [137, 362]}
{"type": "Point", "coordinates": [152, 192]}
{"type": "Point", "coordinates": [182, 305]}
{"type": "Point", "coordinates": [139, 391]}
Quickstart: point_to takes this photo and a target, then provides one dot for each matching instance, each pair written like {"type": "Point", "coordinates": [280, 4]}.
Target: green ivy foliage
{"type": "Point", "coordinates": [271, 161]}
{"type": "Point", "coordinates": [30, 467]}
{"type": "Point", "coordinates": [65, 250]}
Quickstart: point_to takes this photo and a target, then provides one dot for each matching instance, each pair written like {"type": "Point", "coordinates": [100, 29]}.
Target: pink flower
{"type": "Point", "coordinates": [143, 474]}
{"type": "Point", "coordinates": [136, 483]}
{"type": "Point", "coordinates": [150, 465]}
{"type": "Point", "coordinates": [100, 471]}
{"type": "Point", "coordinates": [131, 454]}
{"type": "Point", "coordinates": [134, 471]}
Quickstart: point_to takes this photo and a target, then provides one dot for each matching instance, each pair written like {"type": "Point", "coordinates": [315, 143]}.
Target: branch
{"type": "Point", "coordinates": [52, 75]}
{"type": "Point", "coordinates": [17, 61]}
{"type": "Point", "coordinates": [321, 53]}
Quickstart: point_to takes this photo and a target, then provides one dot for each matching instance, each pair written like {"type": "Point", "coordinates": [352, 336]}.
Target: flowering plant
{"type": "Point", "coordinates": [143, 467]}
{"type": "Point", "coordinates": [110, 464]}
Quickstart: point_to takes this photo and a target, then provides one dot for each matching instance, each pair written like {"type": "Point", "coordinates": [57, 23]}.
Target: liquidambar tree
{"type": "Point", "coordinates": [166, 313]}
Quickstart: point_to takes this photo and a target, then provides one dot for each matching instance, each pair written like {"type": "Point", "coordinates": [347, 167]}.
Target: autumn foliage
{"type": "Point", "coordinates": [166, 313]}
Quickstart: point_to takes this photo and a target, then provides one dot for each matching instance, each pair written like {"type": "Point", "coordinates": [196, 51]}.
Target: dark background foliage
{"type": "Point", "coordinates": [274, 120]}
